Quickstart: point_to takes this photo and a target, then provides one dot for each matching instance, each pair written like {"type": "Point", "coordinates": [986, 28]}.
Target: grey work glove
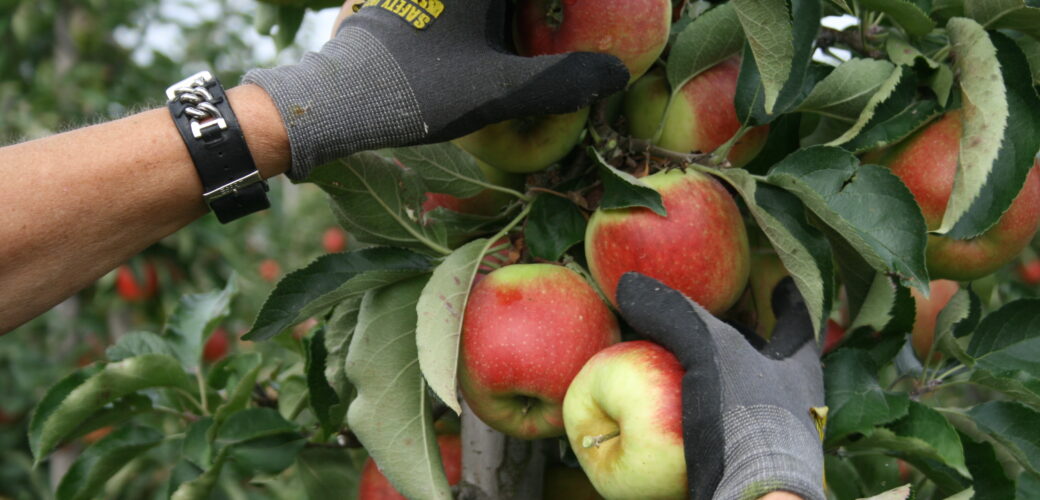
{"type": "Point", "coordinates": [747, 427]}
{"type": "Point", "coordinates": [404, 72]}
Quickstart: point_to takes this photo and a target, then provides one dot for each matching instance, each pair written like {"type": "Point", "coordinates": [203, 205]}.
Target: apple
{"type": "Point", "coordinates": [334, 240]}
{"type": "Point", "coordinates": [635, 31]}
{"type": "Point", "coordinates": [526, 145]}
{"type": "Point", "coordinates": [567, 483]}
{"type": "Point", "coordinates": [766, 271]}
{"type": "Point", "coordinates": [927, 164]}
{"type": "Point", "coordinates": [835, 332]}
{"type": "Point", "coordinates": [133, 289]}
{"type": "Point", "coordinates": [645, 103]}
{"type": "Point", "coordinates": [927, 310]}
{"type": "Point", "coordinates": [527, 330]}
{"type": "Point", "coordinates": [269, 270]}
{"type": "Point", "coordinates": [702, 116]}
{"type": "Point", "coordinates": [623, 414]}
{"type": "Point", "coordinates": [501, 253]}
{"type": "Point", "coordinates": [1030, 272]}
{"type": "Point", "coordinates": [375, 486]}
{"type": "Point", "coordinates": [487, 202]}
{"type": "Point", "coordinates": [216, 346]}
{"type": "Point", "coordinates": [700, 248]}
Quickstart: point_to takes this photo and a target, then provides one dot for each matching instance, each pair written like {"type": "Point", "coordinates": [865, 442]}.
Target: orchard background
{"type": "Point", "coordinates": [122, 391]}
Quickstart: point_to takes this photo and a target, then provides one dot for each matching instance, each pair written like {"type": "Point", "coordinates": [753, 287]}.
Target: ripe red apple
{"type": "Point", "coordinates": [528, 329]}
{"type": "Point", "coordinates": [636, 31]}
{"type": "Point", "coordinates": [216, 346]}
{"type": "Point", "coordinates": [269, 270]}
{"type": "Point", "coordinates": [702, 115]}
{"type": "Point", "coordinates": [928, 309]}
{"type": "Point", "coordinates": [835, 332]}
{"type": "Point", "coordinates": [487, 202]}
{"type": "Point", "coordinates": [927, 164]}
{"type": "Point", "coordinates": [375, 486]}
{"type": "Point", "coordinates": [525, 145]}
{"type": "Point", "coordinates": [567, 483]}
{"type": "Point", "coordinates": [700, 248]}
{"type": "Point", "coordinates": [134, 289]}
{"type": "Point", "coordinates": [334, 240]}
{"type": "Point", "coordinates": [1030, 272]}
{"type": "Point", "coordinates": [623, 414]}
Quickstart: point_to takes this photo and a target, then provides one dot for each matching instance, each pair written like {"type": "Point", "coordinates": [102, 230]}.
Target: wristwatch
{"type": "Point", "coordinates": [231, 184]}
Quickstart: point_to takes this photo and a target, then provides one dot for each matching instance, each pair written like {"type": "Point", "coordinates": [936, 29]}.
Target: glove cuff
{"type": "Point", "coordinates": [769, 449]}
{"type": "Point", "coordinates": [349, 97]}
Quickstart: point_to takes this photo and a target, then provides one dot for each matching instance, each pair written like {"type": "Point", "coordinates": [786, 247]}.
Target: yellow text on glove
{"type": "Point", "coordinates": [418, 13]}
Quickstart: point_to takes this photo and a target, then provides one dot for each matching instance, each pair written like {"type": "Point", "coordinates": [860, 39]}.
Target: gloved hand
{"type": "Point", "coordinates": [404, 72]}
{"type": "Point", "coordinates": [747, 428]}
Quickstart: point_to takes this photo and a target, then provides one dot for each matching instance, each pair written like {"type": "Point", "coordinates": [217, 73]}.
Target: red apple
{"type": "Point", "coordinates": [1030, 272]}
{"type": "Point", "coordinates": [375, 486]}
{"type": "Point", "coordinates": [526, 145]}
{"type": "Point", "coordinates": [623, 414]}
{"type": "Point", "coordinates": [702, 116]}
{"type": "Point", "coordinates": [636, 31]}
{"type": "Point", "coordinates": [700, 248]}
{"type": "Point", "coordinates": [528, 329]}
{"type": "Point", "coordinates": [269, 270]}
{"type": "Point", "coordinates": [136, 289]}
{"type": "Point", "coordinates": [334, 240]}
{"type": "Point", "coordinates": [927, 310]}
{"type": "Point", "coordinates": [216, 346]}
{"type": "Point", "coordinates": [567, 483]}
{"type": "Point", "coordinates": [835, 332]}
{"type": "Point", "coordinates": [487, 202]}
{"type": "Point", "coordinates": [927, 164]}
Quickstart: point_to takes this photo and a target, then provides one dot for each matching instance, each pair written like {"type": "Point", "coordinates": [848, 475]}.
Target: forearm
{"type": "Point", "coordinates": [82, 202]}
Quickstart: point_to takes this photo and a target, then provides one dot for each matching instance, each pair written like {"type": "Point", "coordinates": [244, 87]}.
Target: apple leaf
{"type": "Point", "coordinates": [931, 427]}
{"type": "Point", "coordinates": [339, 330]}
{"type": "Point", "coordinates": [379, 202]}
{"type": "Point", "coordinates": [1028, 485]}
{"type": "Point", "coordinates": [240, 394]}
{"type": "Point", "coordinates": [622, 190]}
{"type": "Point", "coordinates": [886, 91]}
{"type": "Point", "coordinates": [194, 319]}
{"type": "Point", "coordinates": [88, 393]}
{"type": "Point", "coordinates": [330, 473]}
{"type": "Point", "coordinates": [461, 227]}
{"type": "Point", "coordinates": [1031, 48]}
{"type": "Point", "coordinates": [102, 460]}
{"type": "Point", "coordinates": [984, 114]}
{"type": "Point", "coordinates": [887, 307]}
{"type": "Point", "coordinates": [770, 34]}
{"type": "Point", "coordinates": [904, 492]}
{"type": "Point", "coordinates": [1017, 385]}
{"type": "Point", "coordinates": [554, 225]}
{"type": "Point", "coordinates": [881, 132]}
{"type": "Point", "coordinates": [856, 400]}
{"type": "Point", "coordinates": [444, 168]}
{"type": "Point", "coordinates": [988, 478]}
{"type": "Point", "coordinates": [1021, 140]}
{"type": "Point", "coordinates": [391, 414]}
{"type": "Point", "coordinates": [904, 54]}
{"type": "Point", "coordinates": [1009, 339]}
{"type": "Point", "coordinates": [890, 236]}
{"type": "Point", "coordinates": [784, 134]}
{"type": "Point", "coordinates": [329, 280]}
{"type": "Point", "coordinates": [924, 438]}
{"type": "Point", "coordinates": [1005, 14]}
{"type": "Point", "coordinates": [802, 248]}
{"type": "Point", "coordinates": [709, 39]}
{"type": "Point", "coordinates": [1014, 426]}
{"type": "Point", "coordinates": [957, 319]}
{"type": "Point", "coordinates": [845, 92]}
{"type": "Point", "coordinates": [323, 399]}
{"type": "Point", "coordinates": [909, 16]}
{"type": "Point", "coordinates": [440, 309]}
{"type": "Point", "coordinates": [138, 343]}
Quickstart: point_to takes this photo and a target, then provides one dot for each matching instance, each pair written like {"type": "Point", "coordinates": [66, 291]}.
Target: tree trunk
{"type": "Point", "coordinates": [495, 466]}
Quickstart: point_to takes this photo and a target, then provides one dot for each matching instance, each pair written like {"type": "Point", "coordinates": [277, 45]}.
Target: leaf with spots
{"type": "Point", "coordinates": [391, 415]}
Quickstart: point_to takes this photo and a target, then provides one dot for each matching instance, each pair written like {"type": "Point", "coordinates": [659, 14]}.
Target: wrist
{"type": "Point", "coordinates": [263, 129]}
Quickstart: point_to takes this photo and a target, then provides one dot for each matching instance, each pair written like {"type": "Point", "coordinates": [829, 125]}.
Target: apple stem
{"type": "Point", "coordinates": [595, 441]}
{"type": "Point", "coordinates": [528, 404]}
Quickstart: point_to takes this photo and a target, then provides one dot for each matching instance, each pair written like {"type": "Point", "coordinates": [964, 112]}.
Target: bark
{"type": "Point", "coordinates": [495, 466]}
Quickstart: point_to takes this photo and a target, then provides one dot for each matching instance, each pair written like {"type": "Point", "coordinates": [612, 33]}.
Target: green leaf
{"type": "Point", "coordinates": [622, 190]}
{"type": "Point", "coordinates": [887, 90]}
{"type": "Point", "coordinates": [845, 92]}
{"type": "Point", "coordinates": [136, 344]}
{"type": "Point", "coordinates": [339, 330]}
{"type": "Point", "coordinates": [379, 202]}
{"type": "Point", "coordinates": [903, 53]}
{"type": "Point", "coordinates": [194, 319]}
{"type": "Point", "coordinates": [441, 308]}
{"type": "Point", "coordinates": [987, 474]}
{"type": "Point", "coordinates": [1031, 48]}
{"type": "Point", "coordinates": [879, 133]}
{"type": "Point", "coordinates": [856, 400]}
{"type": "Point", "coordinates": [887, 307]}
{"type": "Point", "coordinates": [196, 447]}
{"type": "Point", "coordinates": [770, 34]}
{"type": "Point", "coordinates": [1021, 140]}
{"type": "Point", "coordinates": [1013, 426]}
{"type": "Point", "coordinates": [554, 225]}
{"type": "Point", "coordinates": [784, 134]}
{"type": "Point", "coordinates": [1028, 486]}
{"type": "Point", "coordinates": [802, 248]}
{"type": "Point", "coordinates": [916, 451]}
{"type": "Point", "coordinates": [1021, 388]}
{"type": "Point", "coordinates": [909, 16]}
{"type": "Point", "coordinates": [890, 235]}
{"type": "Point", "coordinates": [329, 280]}
{"type": "Point", "coordinates": [323, 398]}
{"type": "Point", "coordinates": [268, 455]}
{"type": "Point", "coordinates": [461, 228]}
{"type": "Point", "coordinates": [1005, 14]}
{"type": "Point", "coordinates": [289, 20]}
{"type": "Point", "coordinates": [239, 396]}
{"type": "Point", "coordinates": [201, 486]}
{"type": "Point", "coordinates": [99, 462]}
{"type": "Point", "coordinates": [391, 415]}
{"type": "Point", "coordinates": [957, 318]}
{"type": "Point", "coordinates": [904, 492]}
{"type": "Point", "coordinates": [708, 40]}
{"type": "Point", "coordinates": [444, 168]}
{"type": "Point", "coordinates": [1009, 339]}
{"type": "Point", "coordinates": [91, 394]}
{"type": "Point", "coordinates": [930, 427]}
{"type": "Point", "coordinates": [984, 114]}
{"type": "Point", "coordinates": [252, 423]}
{"type": "Point", "coordinates": [329, 474]}
{"type": "Point", "coordinates": [113, 414]}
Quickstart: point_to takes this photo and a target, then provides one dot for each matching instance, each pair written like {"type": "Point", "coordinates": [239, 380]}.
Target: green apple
{"type": "Point", "coordinates": [623, 414]}
{"type": "Point", "coordinates": [525, 145]}
{"type": "Point", "coordinates": [645, 103]}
